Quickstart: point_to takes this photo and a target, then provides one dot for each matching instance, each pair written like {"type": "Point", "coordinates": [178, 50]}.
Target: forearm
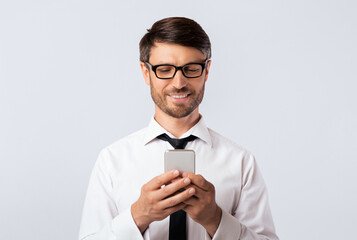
{"type": "Point", "coordinates": [230, 228]}
{"type": "Point", "coordinates": [122, 227]}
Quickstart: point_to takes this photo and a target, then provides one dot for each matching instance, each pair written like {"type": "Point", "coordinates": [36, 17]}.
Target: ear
{"type": "Point", "coordinates": [207, 70]}
{"type": "Point", "coordinates": [146, 72]}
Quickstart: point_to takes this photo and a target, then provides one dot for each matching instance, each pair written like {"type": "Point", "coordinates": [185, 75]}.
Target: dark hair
{"type": "Point", "coordinates": [178, 30]}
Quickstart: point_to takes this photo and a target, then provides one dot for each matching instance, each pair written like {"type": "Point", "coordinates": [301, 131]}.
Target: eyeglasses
{"type": "Point", "coordinates": [168, 71]}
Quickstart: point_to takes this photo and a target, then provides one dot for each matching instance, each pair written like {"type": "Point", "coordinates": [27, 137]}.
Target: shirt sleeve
{"type": "Point", "coordinates": [100, 218]}
{"type": "Point", "coordinates": [251, 220]}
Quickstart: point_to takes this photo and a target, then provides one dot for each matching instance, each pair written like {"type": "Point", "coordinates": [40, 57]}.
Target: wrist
{"type": "Point", "coordinates": [212, 226]}
{"type": "Point", "coordinates": [139, 219]}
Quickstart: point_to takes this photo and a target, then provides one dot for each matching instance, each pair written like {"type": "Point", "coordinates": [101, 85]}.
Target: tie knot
{"type": "Point", "coordinates": [176, 142]}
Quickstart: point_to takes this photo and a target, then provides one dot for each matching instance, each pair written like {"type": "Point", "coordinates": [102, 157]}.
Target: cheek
{"type": "Point", "coordinates": [198, 85]}
{"type": "Point", "coordinates": [158, 86]}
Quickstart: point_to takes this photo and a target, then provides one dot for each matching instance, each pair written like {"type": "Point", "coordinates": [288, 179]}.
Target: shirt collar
{"type": "Point", "coordinates": [199, 130]}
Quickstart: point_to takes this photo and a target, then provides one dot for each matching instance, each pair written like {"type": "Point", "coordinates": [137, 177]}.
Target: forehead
{"type": "Point", "coordinates": [174, 54]}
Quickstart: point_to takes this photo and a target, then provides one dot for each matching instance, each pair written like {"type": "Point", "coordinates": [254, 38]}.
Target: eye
{"type": "Point", "coordinates": [192, 68]}
{"type": "Point", "coordinates": [164, 69]}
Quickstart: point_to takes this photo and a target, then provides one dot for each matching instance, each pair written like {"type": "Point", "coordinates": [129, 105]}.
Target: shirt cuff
{"type": "Point", "coordinates": [229, 228]}
{"type": "Point", "coordinates": [124, 227]}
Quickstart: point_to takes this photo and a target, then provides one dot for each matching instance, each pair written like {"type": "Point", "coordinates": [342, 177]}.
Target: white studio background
{"type": "Point", "coordinates": [282, 84]}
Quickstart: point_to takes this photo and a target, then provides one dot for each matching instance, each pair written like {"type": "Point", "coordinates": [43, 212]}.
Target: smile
{"type": "Point", "coordinates": [179, 96]}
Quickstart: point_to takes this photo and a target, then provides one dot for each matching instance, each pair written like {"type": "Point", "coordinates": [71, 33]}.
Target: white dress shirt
{"type": "Point", "coordinates": [123, 167]}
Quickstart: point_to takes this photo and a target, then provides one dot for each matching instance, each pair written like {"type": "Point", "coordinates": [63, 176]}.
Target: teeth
{"type": "Point", "coordinates": [179, 96]}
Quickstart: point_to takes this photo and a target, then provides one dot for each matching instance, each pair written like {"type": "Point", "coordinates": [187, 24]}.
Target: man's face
{"type": "Point", "coordinates": [180, 96]}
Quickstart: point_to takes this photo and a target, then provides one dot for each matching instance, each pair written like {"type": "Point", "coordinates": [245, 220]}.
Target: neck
{"type": "Point", "coordinates": [176, 126]}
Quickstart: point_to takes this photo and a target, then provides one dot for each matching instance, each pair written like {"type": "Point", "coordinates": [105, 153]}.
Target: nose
{"type": "Point", "coordinates": [179, 81]}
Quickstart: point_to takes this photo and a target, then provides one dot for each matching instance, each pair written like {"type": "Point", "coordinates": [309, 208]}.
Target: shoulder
{"type": "Point", "coordinates": [129, 142]}
{"type": "Point", "coordinates": [117, 153]}
{"type": "Point", "coordinates": [133, 139]}
{"type": "Point", "coordinates": [218, 140]}
{"type": "Point", "coordinates": [222, 144]}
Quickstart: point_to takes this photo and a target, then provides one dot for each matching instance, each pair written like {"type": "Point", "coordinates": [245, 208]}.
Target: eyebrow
{"type": "Point", "coordinates": [164, 63]}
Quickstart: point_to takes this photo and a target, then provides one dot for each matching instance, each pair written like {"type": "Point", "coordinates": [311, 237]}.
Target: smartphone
{"type": "Point", "coordinates": [180, 159]}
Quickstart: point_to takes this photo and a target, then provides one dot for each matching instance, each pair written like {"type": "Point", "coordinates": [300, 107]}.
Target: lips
{"type": "Point", "coordinates": [179, 96]}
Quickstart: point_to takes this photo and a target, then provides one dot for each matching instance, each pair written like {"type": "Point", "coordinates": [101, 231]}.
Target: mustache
{"type": "Point", "coordinates": [177, 91]}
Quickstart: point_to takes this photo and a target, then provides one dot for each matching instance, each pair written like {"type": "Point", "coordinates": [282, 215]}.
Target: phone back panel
{"type": "Point", "coordinates": [180, 159]}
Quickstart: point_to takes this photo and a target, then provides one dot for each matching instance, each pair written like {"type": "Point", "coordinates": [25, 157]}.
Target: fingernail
{"type": "Point", "coordinates": [176, 172]}
{"type": "Point", "coordinates": [187, 180]}
{"type": "Point", "coordinates": [191, 191]}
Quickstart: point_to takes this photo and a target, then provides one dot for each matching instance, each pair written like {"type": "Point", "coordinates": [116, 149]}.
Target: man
{"type": "Point", "coordinates": [129, 196]}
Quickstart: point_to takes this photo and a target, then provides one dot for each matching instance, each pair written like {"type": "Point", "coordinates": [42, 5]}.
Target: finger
{"type": "Point", "coordinates": [187, 174]}
{"type": "Point", "coordinates": [188, 208]}
{"type": "Point", "coordinates": [192, 201]}
{"type": "Point", "coordinates": [198, 180]}
{"type": "Point", "coordinates": [171, 210]}
{"type": "Point", "coordinates": [199, 193]}
{"type": "Point", "coordinates": [173, 188]}
{"type": "Point", "coordinates": [162, 179]}
{"type": "Point", "coordinates": [176, 199]}
{"type": "Point", "coordinates": [176, 179]}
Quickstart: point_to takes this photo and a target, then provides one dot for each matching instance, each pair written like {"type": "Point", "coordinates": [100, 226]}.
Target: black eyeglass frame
{"type": "Point", "coordinates": [154, 67]}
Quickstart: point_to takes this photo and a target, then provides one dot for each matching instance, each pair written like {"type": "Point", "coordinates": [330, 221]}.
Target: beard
{"type": "Point", "coordinates": [178, 110]}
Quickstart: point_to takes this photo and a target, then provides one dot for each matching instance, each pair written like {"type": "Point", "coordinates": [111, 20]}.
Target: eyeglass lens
{"type": "Point", "coordinates": [190, 70]}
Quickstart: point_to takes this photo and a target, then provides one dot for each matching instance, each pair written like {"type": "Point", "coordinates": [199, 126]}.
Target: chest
{"type": "Point", "coordinates": [135, 168]}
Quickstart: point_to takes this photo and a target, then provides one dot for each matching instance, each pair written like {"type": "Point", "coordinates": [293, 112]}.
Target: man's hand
{"type": "Point", "coordinates": [156, 202]}
{"type": "Point", "coordinates": [202, 206]}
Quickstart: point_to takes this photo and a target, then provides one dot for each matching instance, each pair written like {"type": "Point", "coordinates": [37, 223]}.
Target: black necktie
{"type": "Point", "coordinates": [175, 142]}
{"type": "Point", "coordinates": [177, 229]}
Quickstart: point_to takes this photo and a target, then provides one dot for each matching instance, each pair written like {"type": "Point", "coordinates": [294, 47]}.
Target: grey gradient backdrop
{"type": "Point", "coordinates": [282, 84]}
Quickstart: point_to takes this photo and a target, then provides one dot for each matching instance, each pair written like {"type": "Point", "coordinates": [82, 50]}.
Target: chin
{"type": "Point", "coordinates": [178, 113]}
